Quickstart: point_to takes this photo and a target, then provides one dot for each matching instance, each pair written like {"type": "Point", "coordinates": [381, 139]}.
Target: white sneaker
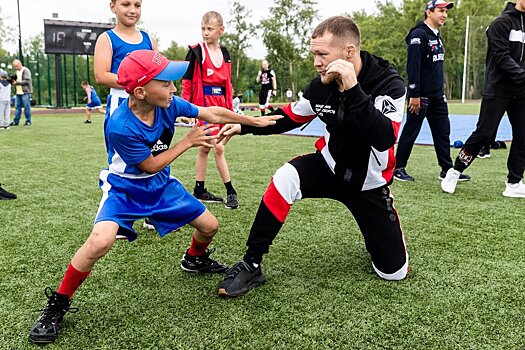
{"type": "Point", "coordinates": [450, 181]}
{"type": "Point", "coordinates": [147, 224]}
{"type": "Point", "coordinates": [515, 190]}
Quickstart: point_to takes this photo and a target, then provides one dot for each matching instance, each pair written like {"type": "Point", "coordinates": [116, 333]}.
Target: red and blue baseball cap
{"type": "Point", "coordinates": [142, 66]}
{"type": "Point", "coordinates": [438, 3]}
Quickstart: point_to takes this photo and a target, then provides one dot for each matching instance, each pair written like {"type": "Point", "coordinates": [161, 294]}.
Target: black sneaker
{"type": "Point", "coordinates": [208, 197]}
{"type": "Point", "coordinates": [484, 153]}
{"type": "Point", "coordinates": [202, 264]}
{"type": "Point", "coordinates": [6, 195]}
{"type": "Point", "coordinates": [45, 329]}
{"type": "Point", "coordinates": [401, 175]}
{"type": "Point", "coordinates": [87, 122]}
{"type": "Point", "coordinates": [231, 201]}
{"type": "Point", "coordinates": [27, 124]}
{"type": "Point", "coordinates": [462, 177]}
{"type": "Point", "coordinates": [239, 279]}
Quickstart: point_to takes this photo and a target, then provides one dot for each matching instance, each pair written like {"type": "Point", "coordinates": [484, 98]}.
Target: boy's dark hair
{"type": "Point", "coordinates": [84, 83]}
{"type": "Point", "coordinates": [341, 27]}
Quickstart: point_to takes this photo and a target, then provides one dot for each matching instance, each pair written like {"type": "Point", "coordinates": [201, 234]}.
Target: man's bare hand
{"type": "Point", "coordinates": [414, 104]}
{"type": "Point", "coordinates": [261, 122]}
{"type": "Point", "coordinates": [344, 73]}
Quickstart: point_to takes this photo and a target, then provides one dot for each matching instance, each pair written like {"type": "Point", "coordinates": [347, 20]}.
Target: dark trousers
{"type": "Point", "coordinates": [373, 211]}
{"type": "Point", "coordinates": [490, 114]}
{"type": "Point", "coordinates": [435, 109]}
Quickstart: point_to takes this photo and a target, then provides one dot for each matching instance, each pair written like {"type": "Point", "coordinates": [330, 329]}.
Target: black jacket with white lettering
{"type": "Point", "coordinates": [505, 71]}
{"type": "Point", "coordinates": [361, 124]}
{"type": "Point", "coordinates": [425, 62]}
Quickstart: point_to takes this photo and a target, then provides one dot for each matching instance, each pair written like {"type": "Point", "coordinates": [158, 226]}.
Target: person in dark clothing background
{"type": "Point", "coordinates": [360, 99]}
{"type": "Point", "coordinates": [504, 90]}
{"type": "Point", "coordinates": [425, 66]}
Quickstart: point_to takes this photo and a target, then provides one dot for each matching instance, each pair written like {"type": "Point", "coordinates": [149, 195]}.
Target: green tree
{"type": "Point", "coordinates": [286, 35]}
{"type": "Point", "coordinates": [175, 51]}
{"type": "Point", "coordinates": [7, 35]}
{"type": "Point", "coordinates": [237, 40]}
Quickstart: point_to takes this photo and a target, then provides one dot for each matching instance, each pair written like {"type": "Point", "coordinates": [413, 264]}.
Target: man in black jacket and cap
{"type": "Point", "coordinates": [425, 67]}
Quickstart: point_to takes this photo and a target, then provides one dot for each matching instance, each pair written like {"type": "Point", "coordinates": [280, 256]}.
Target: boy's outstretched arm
{"type": "Point", "coordinates": [219, 115]}
{"type": "Point", "coordinates": [197, 136]}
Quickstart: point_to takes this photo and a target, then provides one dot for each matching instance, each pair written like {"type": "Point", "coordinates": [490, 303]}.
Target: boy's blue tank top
{"type": "Point", "coordinates": [121, 48]}
{"type": "Point", "coordinates": [94, 96]}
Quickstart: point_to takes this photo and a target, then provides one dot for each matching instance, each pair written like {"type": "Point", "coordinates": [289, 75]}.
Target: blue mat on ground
{"type": "Point", "coordinates": [461, 126]}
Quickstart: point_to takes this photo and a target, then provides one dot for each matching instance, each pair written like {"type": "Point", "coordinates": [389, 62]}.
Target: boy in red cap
{"type": "Point", "coordinates": [138, 183]}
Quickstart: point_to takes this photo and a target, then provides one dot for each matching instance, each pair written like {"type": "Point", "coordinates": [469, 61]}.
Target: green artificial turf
{"type": "Point", "coordinates": [464, 291]}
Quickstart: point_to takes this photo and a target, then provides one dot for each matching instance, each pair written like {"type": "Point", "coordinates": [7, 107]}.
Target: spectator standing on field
{"type": "Point", "coordinates": [208, 83]}
{"type": "Point", "coordinates": [24, 89]}
{"type": "Point", "coordinates": [237, 104]}
{"type": "Point", "coordinates": [289, 95]}
{"type": "Point", "coordinates": [426, 97]}
{"type": "Point", "coordinates": [5, 101]}
{"type": "Point", "coordinates": [112, 47]}
{"type": "Point", "coordinates": [504, 91]}
{"type": "Point", "coordinates": [266, 77]}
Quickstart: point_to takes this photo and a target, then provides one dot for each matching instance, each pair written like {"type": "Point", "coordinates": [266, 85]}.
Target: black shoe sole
{"type": "Point", "coordinates": [232, 207]}
{"type": "Point", "coordinates": [253, 284]}
{"type": "Point", "coordinates": [198, 271]}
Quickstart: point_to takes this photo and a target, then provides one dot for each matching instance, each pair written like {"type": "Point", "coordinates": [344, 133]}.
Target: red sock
{"type": "Point", "coordinates": [72, 280]}
{"type": "Point", "coordinates": [197, 248]}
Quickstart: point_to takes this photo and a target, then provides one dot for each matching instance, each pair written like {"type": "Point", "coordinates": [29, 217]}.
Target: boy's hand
{"type": "Point", "coordinates": [199, 136]}
{"type": "Point", "coordinates": [227, 132]}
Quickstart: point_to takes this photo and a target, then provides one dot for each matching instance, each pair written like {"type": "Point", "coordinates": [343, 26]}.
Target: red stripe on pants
{"type": "Point", "coordinates": [276, 203]}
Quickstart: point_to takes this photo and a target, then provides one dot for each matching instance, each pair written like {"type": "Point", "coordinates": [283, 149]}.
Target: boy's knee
{"type": "Point", "coordinates": [203, 150]}
{"type": "Point", "coordinates": [218, 149]}
{"type": "Point", "coordinates": [211, 228]}
{"type": "Point", "coordinates": [99, 243]}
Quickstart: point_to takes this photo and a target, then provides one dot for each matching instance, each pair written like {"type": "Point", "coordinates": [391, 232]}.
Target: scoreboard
{"type": "Point", "coordinates": [72, 37]}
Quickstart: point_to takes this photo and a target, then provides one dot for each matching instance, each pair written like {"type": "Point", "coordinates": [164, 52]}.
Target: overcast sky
{"type": "Point", "coordinates": [169, 20]}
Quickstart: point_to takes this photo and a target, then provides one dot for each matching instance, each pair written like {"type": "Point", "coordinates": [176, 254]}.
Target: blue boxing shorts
{"type": "Point", "coordinates": [94, 104]}
{"type": "Point", "coordinates": [165, 202]}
